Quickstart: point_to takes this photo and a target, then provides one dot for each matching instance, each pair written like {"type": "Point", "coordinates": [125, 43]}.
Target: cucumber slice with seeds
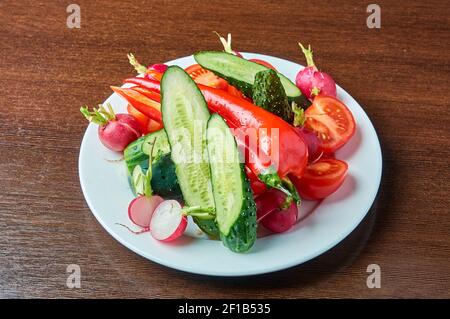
{"type": "Point", "coordinates": [235, 207]}
{"type": "Point", "coordinates": [185, 116]}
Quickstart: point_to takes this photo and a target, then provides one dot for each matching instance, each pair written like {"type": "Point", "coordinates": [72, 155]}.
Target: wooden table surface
{"type": "Point", "coordinates": [399, 73]}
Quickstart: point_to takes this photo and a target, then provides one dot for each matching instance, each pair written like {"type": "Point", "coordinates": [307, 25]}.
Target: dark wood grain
{"type": "Point", "coordinates": [400, 74]}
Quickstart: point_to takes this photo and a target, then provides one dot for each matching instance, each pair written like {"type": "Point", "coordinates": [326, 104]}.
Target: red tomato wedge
{"type": "Point", "coordinates": [205, 77]}
{"type": "Point", "coordinates": [262, 62]}
{"type": "Point", "coordinates": [332, 122]}
{"type": "Point", "coordinates": [321, 178]}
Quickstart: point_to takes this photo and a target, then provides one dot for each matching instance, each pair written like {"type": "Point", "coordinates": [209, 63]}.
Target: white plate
{"type": "Point", "coordinates": [325, 224]}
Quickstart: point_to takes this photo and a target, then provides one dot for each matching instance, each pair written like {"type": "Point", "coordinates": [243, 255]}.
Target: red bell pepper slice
{"type": "Point", "coordinates": [140, 102]}
{"type": "Point", "coordinates": [150, 94]}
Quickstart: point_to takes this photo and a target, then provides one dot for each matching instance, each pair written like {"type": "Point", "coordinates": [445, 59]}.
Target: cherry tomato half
{"type": "Point", "coordinates": [321, 178]}
{"type": "Point", "coordinates": [332, 122]}
{"type": "Point", "coordinates": [205, 77]}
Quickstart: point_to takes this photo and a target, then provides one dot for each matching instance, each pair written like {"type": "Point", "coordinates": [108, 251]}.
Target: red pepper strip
{"type": "Point", "coordinates": [154, 74]}
{"type": "Point", "coordinates": [140, 102]}
{"type": "Point", "coordinates": [150, 94]}
{"type": "Point", "coordinates": [151, 85]}
{"type": "Point", "coordinates": [241, 114]}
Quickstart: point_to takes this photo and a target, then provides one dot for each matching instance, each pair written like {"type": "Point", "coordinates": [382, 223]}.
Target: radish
{"type": "Point", "coordinates": [315, 152]}
{"type": "Point", "coordinates": [169, 219]}
{"type": "Point", "coordinates": [158, 67]}
{"type": "Point", "coordinates": [280, 221]}
{"type": "Point", "coordinates": [153, 71]}
{"type": "Point", "coordinates": [313, 82]}
{"type": "Point", "coordinates": [141, 209]}
{"type": "Point", "coordinates": [115, 131]}
{"type": "Point", "coordinates": [227, 44]}
{"type": "Point", "coordinates": [271, 216]}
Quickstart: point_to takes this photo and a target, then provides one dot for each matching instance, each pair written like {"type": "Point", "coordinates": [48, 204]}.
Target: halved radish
{"type": "Point", "coordinates": [141, 209]}
{"type": "Point", "coordinates": [168, 221]}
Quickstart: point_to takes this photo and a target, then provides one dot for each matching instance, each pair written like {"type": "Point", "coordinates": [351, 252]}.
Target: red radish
{"type": "Point", "coordinates": [159, 67]}
{"type": "Point", "coordinates": [227, 44]}
{"type": "Point", "coordinates": [315, 152]}
{"type": "Point", "coordinates": [168, 221]}
{"type": "Point", "coordinates": [115, 131]}
{"type": "Point", "coordinates": [141, 209]}
{"type": "Point", "coordinates": [227, 48]}
{"type": "Point", "coordinates": [153, 71]}
{"type": "Point", "coordinates": [313, 82]}
{"type": "Point", "coordinates": [271, 216]}
{"type": "Point", "coordinates": [280, 221]}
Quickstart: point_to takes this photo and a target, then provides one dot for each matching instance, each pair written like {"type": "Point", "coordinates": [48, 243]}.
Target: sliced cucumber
{"type": "Point", "coordinates": [138, 180]}
{"type": "Point", "coordinates": [185, 115]}
{"type": "Point", "coordinates": [137, 152]}
{"type": "Point", "coordinates": [235, 207]}
{"type": "Point", "coordinates": [156, 142]}
{"type": "Point", "coordinates": [241, 73]}
{"type": "Point", "coordinates": [164, 179]}
{"type": "Point", "coordinates": [134, 155]}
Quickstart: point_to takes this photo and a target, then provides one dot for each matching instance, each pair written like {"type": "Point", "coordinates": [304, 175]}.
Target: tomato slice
{"type": "Point", "coordinates": [206, 77]}
{"type": "Point", "coordinates": [332, 122]}
{"type": "Point", "coordinates": [262, 62]}
{"type": "Point", "coordinates": [321, 178]}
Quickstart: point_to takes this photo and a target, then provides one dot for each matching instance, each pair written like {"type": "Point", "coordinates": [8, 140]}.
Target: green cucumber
{"type": "Point", "coordinates": [156, 142]}
{"type": "Point", "coordinates": [268, 93]}
{"type": "Point", "coordinates": [208, 226]}
{"type": "Point", "coordinates": [134, 155]}
{"type": "Point", "coordinates": [164, 179]}
{"type": "Point", "coordinates": [235, 207]}
{"type": "Point", "coordinates": [241, 73]}
{"type": "Point", "coordinates": [185, 116]}
{"type": "Point", "coordinates": [138, 179]}
{"type": "Point", "coordinates": [137, 152]}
